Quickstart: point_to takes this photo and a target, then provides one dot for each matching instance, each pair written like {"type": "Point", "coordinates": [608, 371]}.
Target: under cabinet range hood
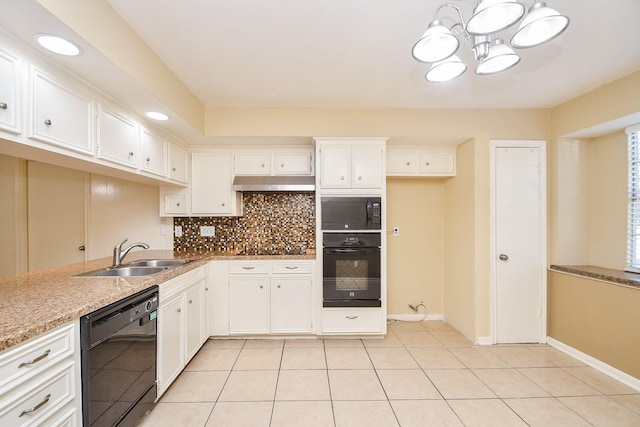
{"type": "Point", "coordinates": [274, 183]}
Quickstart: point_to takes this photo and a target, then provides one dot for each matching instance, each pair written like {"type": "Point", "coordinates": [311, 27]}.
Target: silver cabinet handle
{"type": "Point", "coordinates": [289, 267]}
{"type": "Point", "coordinates": [36, 360]}
{"type": "Point", "coordinates": [504, 257]}
{"type": "Point", "coordinates": [351, 317]}
{"type": "Point", "coordinates": [38, 406]}
{"type": "Point", "coordinates": [48, 122]}
{"type": "Point", "coordinates": [3, 105]}
{"type": "Point", "coordinates": [244, 267]}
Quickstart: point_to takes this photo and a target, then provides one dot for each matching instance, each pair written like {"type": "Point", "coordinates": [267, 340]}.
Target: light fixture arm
{"type": "Point", "coordinates": [462, 22]}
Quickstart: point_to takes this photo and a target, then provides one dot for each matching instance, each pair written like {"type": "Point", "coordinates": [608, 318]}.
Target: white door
{"type": "Point", "coordinates": [519, 244]}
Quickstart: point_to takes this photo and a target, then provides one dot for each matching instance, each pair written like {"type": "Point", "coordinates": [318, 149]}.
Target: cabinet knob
{"type": "Point", "coordinates": [179, 310]}
{"type": "Point", "coordinates": [360, 178]}
{"type": "Point", "coordinates": [279, 286]}
{"type": "Point", "coordinates": [47, 122]}
{"type": "Point", "coordinates": [261, 286]}
{"type": "Point", "coordinates": [173, 169]}
{"type": "Point", "coordinates": [178, 204]}
{"type": "Point", "coordinates": [281, 165]}
{"type": "Point", "coordinates": [262, 165]}
{"type": "Point", "coordinates": [427, 163]}
{"type": "Point", "coordinates": [223, 204]}
{"type": "Point", "coordinates": [190, 301]}
{"type": "Point", "coordinates": [408, 163]}
{"type": "Point", "coordinates": [342, 178]}
{"type": "Point", "coordinates": [3, 105]}
{"type": "Point", "coordinates": [206, 289]}
{"type": "Point", "coordinates": [130, 153]}
{"type": "Point", "coordinates": [148, 159]}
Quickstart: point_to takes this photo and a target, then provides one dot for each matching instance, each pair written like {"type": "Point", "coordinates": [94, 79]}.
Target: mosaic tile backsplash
{"type": "Point", "coordinates": [272, 223]}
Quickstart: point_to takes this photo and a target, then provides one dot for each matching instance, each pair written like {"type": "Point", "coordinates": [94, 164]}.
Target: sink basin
{"type": "Point", "coordinates": [159, 262]}
{"type": "Point", "coordinates": [125, 271]}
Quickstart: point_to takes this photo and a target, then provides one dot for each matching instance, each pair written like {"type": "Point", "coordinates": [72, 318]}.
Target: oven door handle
{"type": "Point", "coordinates": [351, 250]}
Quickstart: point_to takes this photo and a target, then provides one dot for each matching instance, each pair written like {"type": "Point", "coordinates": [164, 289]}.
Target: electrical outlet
{"type": "Point", "coordinates": [177, 231]}
{"type": "Point", "coordinates": [207, 231]}
{"type": "Point", "coordinates": [396, 231]}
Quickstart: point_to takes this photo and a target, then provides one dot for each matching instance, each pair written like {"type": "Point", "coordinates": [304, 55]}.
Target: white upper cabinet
{"type": "Point", "coordinates": [278, 161]}
{"type": "Point", "coordinates": [178, 164]}
{"type": "Point", "coordinates": [351, 163]}
{"type": "Point", "coordinates": [60, 115]}
{"type": "Point", "coordinates": [211, 178]}
{"type": "Point", "coordinates": [9, 97]}
{"type": "Point", "coordinates": [421, 161]}
{"type": "Point", "coordinates": [117, 138]}
{"type": "Point", "coordinates": [153, 153]}
{"type": "Point", "coordinates": [293, 162]}
{"type": "Point", "coordinates": [252, 163]}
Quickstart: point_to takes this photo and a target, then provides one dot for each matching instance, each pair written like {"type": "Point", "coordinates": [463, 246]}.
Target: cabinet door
{"type": "Point", "coordinates": [60, 116]}
{"type": "Point", "coordinates": [437, 163]}
{"type": "Point", "coordinates": [117, 139]}
{"type": "Point", "coordinates": [175, 203]}
{"type": "Point", "coordinates": [290, 304]}
{"type": "Point", "coordinates": [211, 183]}
{"type": "Point", "coordinates": [249, 305]}
{"type": "Point", "coordinates": [252, 163]}
{"type": "Point", "coordinates": [293, 162]}
{"type": "Point", "coordinates": [334, 166]}
{"type": "Point", "coordinates": [401, 162]}
{"type": "Point", "coordinates": [177, 163]}
{"type": "Point", "coordinates": [194, 335]}
{"type": "Point", "coordinates": [367, 167]}
{"type": "Point", "coordinates": [153, 153]}
{"type": "Point", "coordinates": [170, 343]}
{"type": "Point", "coordinates": [9, 98]}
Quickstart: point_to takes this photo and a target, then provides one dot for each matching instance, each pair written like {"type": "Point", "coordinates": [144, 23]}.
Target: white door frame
{"type": "Point", "coordinates": [493, 146]}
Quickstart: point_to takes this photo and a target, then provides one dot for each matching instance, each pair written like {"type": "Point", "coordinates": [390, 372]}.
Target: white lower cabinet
{"type": "Point", "coordinates": [261, 297]}
{"type": "Point", "coordinates": [182, 325]}
{"type": "Point", "coordinates": [352, 320]}
{"type": "Point", "coordinates": [40, 380]}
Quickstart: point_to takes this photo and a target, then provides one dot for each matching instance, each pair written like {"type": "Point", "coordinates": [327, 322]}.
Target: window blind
{"type": "Point", "coordinates": [633, 216]}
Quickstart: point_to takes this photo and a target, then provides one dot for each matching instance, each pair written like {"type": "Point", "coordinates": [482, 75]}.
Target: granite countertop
{"type": "Point", "coordinates": [599, 273]}
{"type": "Point", "coordinates": [34, 303]}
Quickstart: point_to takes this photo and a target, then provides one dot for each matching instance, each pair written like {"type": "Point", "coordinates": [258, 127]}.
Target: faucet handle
{"type": "Point", "coordinates": [119, 245]}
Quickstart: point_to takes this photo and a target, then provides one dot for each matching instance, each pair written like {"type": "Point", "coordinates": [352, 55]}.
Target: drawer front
{"type": "Point", "coordinates": [40, 397]}
{"type": "Point", "coordinates": [351, 320]}
{"type": "Point", "coordinates": [36, 355]}
{"type": "Point", "coordinates": [291, 267]}
{"type": "Point", "coordinates": [248, 267]}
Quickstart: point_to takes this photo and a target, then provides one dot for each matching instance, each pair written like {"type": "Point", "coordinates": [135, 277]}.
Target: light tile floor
{"type": "Point", "coordinates": [421, 374]}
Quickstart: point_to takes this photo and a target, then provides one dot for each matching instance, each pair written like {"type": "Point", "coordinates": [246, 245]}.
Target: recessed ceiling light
{"type": "Point", "coordinates": [58, 45]}
{"type": "Point", "coordinates": [157, 116]}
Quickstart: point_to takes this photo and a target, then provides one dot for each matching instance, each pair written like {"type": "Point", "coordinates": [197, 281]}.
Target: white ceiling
{"type": "Point", "coordinates": [338, 53]}
{"type": "Point", "coordinates": [357, 53]}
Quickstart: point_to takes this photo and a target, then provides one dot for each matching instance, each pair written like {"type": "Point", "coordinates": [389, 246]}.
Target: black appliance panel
{"type": "Point", "coordinates": [351, 213]}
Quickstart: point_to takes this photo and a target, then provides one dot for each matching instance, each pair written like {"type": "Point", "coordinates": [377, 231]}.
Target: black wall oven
{"type": "Point", "coordinates": [351, 213]}
{"type": "Point", "coordinates": [351, 269]}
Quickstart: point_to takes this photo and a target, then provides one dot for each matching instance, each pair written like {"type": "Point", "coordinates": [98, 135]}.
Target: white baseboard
{"type": "Point", "coordinates": [617, 374]}
{"type": "Point", "coordinates": [484, 340]}
{"type": "Point", "coordinates": [414, 317]}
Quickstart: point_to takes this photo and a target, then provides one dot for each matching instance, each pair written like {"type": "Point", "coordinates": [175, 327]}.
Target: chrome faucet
{"type": "Point", "coordinates": [119, 253]}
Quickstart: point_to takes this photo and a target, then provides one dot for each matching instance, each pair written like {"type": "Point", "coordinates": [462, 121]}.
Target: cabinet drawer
{"type": "Point", "coordinates": [291, 267]}
{"type": "Point", "coordinates": [248, 267]}
{"type": "Point", "coordinates": [40, 397]}
{"type": "Point", "coordinates": [437, 163]}
{"type": "Point", "coordinates": [36, 355]}
{"type": "Point", "coordinates": [351, 320]}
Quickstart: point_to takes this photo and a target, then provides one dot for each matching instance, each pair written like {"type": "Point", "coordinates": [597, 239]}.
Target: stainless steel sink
{"type": "Point", "coordinates": [159, 262]}
{"type": "Point", "coordinates": [124, 271]}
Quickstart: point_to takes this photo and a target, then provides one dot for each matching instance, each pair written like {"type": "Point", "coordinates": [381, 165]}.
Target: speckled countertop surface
{"type": "Point", "coordinates": [599, 273]}
{"type": "Point", "coordinates": [34, 303]}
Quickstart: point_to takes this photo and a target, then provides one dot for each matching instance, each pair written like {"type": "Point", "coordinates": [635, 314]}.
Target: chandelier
{"type": "Point", "coordinates": [439, 44]}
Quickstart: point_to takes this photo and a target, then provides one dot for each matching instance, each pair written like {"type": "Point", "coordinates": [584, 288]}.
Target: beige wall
{"type": "Point", "coordinates": [608, 201]}
{"type": "Point", "coordinates": [12, 211]}
{"type": "Point", "coordinates": [599, 319]}
{"type": "Point", "coordinates": [416, 256]}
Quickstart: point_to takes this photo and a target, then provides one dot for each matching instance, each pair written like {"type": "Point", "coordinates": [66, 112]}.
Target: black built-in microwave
{"type": "Point", "coordinates": [351, 213]}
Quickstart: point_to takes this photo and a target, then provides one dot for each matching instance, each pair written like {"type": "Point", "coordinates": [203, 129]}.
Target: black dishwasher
{"type": "Point", "coordinates": [118, 360]}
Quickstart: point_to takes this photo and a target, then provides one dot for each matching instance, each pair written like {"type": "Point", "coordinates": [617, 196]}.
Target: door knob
{"type": "Point", "coordinates": [504, 257]}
